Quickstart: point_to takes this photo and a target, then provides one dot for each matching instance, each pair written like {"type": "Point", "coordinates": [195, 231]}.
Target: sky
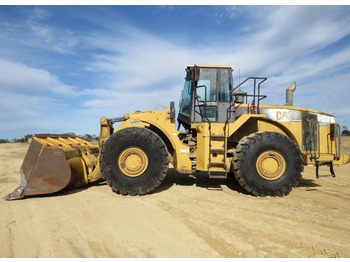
{"type": "Point", "coordinates": [64, 67]}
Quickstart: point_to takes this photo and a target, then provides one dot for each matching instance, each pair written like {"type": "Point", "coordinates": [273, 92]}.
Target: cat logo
{"type": "Point", "coordinates": [283, 116]}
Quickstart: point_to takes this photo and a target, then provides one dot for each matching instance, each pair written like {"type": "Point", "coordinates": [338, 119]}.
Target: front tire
{"type": "Point", "coordinates": [134, 161]}
{"type": "Point", "coordinates": [267, 164]}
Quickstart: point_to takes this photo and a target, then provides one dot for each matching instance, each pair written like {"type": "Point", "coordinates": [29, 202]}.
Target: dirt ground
{"type": "Point", "coordinates": [186, 217]}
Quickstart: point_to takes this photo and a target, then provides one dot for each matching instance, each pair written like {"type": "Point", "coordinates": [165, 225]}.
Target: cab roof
{"type": "Point", "coordinates": [210, 66]}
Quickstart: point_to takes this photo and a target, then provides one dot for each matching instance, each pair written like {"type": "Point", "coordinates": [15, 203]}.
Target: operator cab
{"type": "Point", "coordinates": [206, 96]}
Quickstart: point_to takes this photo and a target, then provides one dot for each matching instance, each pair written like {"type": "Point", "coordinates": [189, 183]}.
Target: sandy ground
{"type": "Point", "coordinates": [185, 217]}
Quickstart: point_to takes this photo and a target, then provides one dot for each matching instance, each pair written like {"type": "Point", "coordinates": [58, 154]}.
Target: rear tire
{"type": "Point", "coordinates": [267, 164]}
{"type": "Point", "coordinates": [134, 161]}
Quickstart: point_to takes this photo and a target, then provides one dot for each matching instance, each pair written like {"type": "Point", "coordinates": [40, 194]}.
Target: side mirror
{"type": "Point", "coordinates": [172, 109]}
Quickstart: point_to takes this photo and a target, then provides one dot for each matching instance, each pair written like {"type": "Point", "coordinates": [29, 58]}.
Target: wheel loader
{"type": "Point", "coordinates": [220, 129]}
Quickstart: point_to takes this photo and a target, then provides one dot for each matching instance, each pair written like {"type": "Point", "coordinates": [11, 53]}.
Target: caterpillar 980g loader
{"type": "Point", "coordinates": [227, 132]}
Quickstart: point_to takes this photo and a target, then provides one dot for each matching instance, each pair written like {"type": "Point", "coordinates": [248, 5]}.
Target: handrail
{"type": "Point", "coordinates": [252, 77]}
{"type": "Point", "coordinates": [257, 97]}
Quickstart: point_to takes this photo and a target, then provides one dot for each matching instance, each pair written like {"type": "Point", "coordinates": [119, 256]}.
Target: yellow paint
{"type": "Point", "coordinates": [271, 165]}
{"type": "Point", "coordinates": [63, 142]}
{"type": "Point", "coordinates": [217, 129]}
{"type": "Point", "coordinates": [344, 159]}
{"type": "Point", "coordinates": [160, 121]}
{"type": "Point", "coordinates": [133, 162]}
{"type": "Point", "coordinates": [293, 130]}
{"type": "Point", "coordinates": [79, 153]}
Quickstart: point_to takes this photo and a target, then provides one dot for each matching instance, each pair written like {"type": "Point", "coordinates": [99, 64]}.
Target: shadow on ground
{"type": "Point", "coordinates": [200, 179]}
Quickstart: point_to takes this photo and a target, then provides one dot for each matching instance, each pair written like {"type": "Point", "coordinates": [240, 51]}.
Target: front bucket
{"type": "Point", "coordinates": [53, 163]}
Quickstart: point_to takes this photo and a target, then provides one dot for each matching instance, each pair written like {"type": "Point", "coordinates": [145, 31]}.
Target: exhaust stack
{"type": "Point", "coordinates": [289, 94]}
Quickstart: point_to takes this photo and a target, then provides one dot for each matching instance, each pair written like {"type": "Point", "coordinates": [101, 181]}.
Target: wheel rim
{"type": "Point", "coordinates": [271, 165]}
{"type": "Point", "coordinates": [133, 161]}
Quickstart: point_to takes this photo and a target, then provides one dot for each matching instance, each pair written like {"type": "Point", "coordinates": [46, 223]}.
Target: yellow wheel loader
{"type": "Point", "coordinates": [226, 131]}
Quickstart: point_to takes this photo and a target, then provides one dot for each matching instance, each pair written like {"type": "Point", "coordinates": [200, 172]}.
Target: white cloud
{"type": "Point", "coordinates": [113, 102]}
{"type": "Point", "coordinates": [22, 114]}
{"type": "Point", "coordinates": [16, 76]}
{"type": "Point", "coordinates": [139, 59]}
{"type": "Point", "coordinates": [330, 95]}
{"type": "Point", "coordinates": [31, 101]}
{"type": "Point", "coordinates": [282, 47]}
{"type": "Point", "coordinates": [33, 30]}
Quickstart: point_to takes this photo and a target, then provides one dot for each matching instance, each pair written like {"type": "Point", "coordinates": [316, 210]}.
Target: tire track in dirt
{"type": "Point", "coordinates": [10, 226]}
{"type": "Point", "coordinates": [213, 219]}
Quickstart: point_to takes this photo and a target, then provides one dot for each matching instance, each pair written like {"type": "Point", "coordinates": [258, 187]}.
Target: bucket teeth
{"type": "Point", "coordinates": [18, 192]}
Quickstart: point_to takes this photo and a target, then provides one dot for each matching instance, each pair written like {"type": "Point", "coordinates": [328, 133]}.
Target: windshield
{"type": "Point", "coordinates": [185, 102]}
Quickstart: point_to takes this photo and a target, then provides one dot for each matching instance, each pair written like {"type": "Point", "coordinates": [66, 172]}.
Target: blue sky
{"type": "Point", "coordinates": [64, 67]}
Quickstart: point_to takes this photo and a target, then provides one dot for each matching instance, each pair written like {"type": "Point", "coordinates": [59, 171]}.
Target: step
{"type": "Point", "coordinates": [217, 137]}
{"type": "Point", "coordinates": [217, 164]}
{"type": "Point", "coordinates": [217, 175]}
{"type": "Point", "coordinates": [217, 150]}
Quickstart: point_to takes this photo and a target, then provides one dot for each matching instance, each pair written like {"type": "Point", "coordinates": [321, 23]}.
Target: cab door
{"type": "Point", "coordinates": [212, 96]}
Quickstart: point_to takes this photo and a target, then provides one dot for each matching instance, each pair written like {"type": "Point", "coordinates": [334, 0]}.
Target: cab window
{"type": "Point", "coordinates": [185, 103]}
{"type": "Point", "coordinates": [206, 86]}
